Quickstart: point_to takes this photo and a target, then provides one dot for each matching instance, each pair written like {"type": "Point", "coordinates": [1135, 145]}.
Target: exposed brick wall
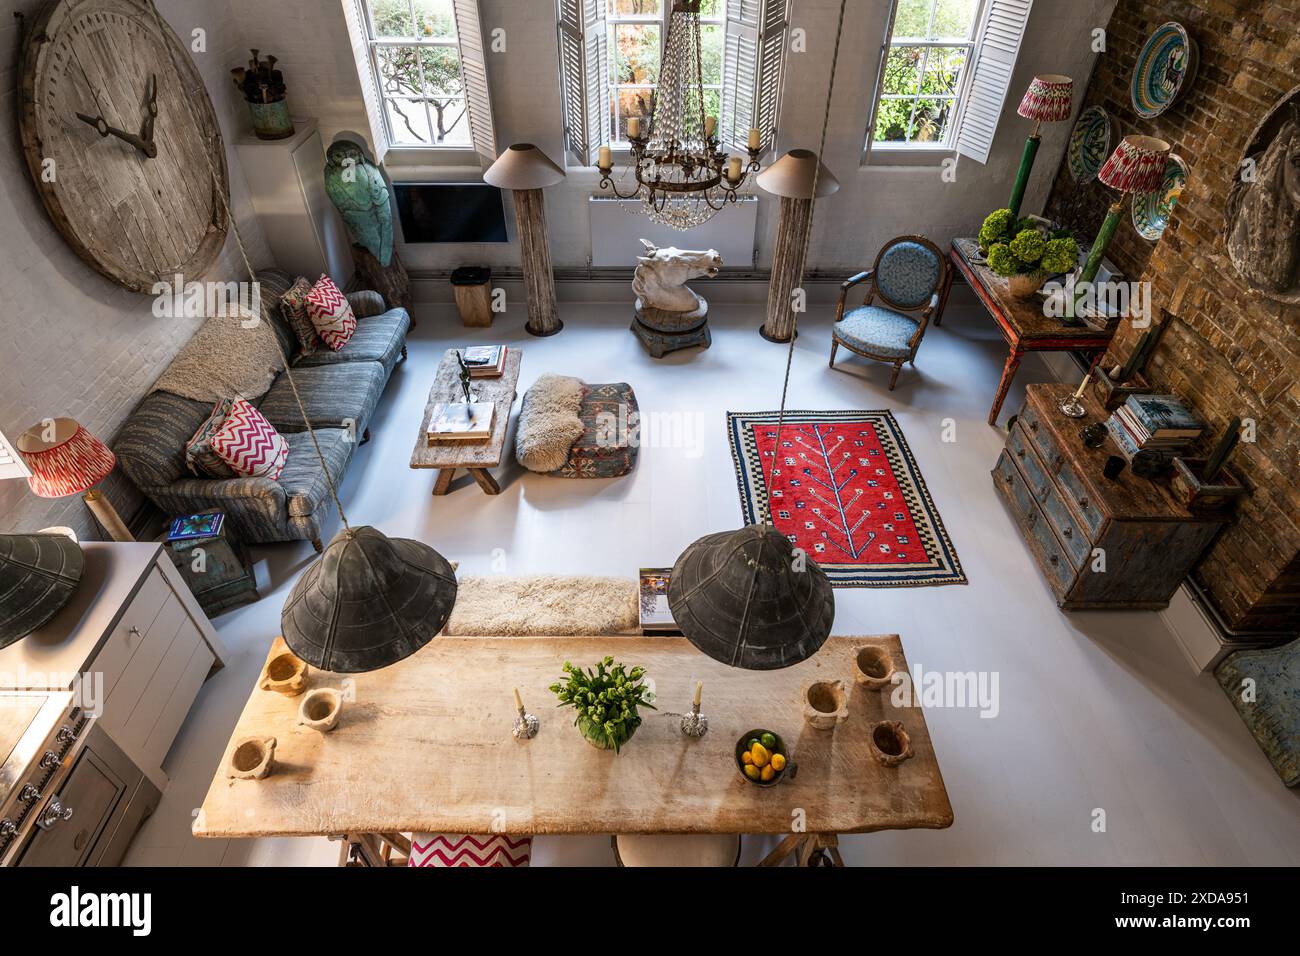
{"type": "Point", "coordinates": [76, 344]}
{"type": "Point", "coordinates": [1228, 351]}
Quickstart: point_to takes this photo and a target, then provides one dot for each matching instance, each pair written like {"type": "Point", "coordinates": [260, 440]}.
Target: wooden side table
{"type": "Point", "coordinates": [1021, 322]}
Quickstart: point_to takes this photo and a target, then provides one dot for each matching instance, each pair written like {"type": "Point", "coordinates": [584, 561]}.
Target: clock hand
{"type": "Point", "coordinates": [101, 125]}
{"type": "Point", "coordinates": [146, 129]}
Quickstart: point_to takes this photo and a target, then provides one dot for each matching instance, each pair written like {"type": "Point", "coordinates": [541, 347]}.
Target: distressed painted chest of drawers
{"type": "Point", "coordinates": [1099, 543]}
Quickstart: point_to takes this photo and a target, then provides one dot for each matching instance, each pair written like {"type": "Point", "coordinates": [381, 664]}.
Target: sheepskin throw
{"type": "Point", "coordinates": [544, 605]}
{"type": "Point", "coordinates": [549, 423]}
{"type": "Point", "coordinates": [231, 354]}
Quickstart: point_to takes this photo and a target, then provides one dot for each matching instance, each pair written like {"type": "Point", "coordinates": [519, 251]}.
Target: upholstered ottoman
{"type": "Point", "coordinates": [570, 429]}
{"type": "Point", "coordinates": [676, 849]}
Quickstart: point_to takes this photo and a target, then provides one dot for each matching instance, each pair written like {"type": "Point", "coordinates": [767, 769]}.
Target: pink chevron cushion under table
{"type": "Point", "coordinates": [249, 444]}
{"type": "Point", "coordinates": [469, 849]}
{"type": "Point", "coordinates": [331, 313]}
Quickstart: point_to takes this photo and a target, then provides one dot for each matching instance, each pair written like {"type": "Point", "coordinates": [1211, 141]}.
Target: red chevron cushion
{"type": "Point", "coordinates": [249, 444]}
{"type": "Point", "coordinates": [461, 849]}
{"type": "Point", "coordinates": [330, 312]}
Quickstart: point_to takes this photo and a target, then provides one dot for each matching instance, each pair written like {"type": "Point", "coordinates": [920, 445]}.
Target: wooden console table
{"type": "Point", "coordinates": [474, 457]}
{"type": "Point", "coordinates": [1022, 322]}
{"type": "Point", "coordinates": [425, 746]}
{"type": "Point", "coordinates": [1126, 543]}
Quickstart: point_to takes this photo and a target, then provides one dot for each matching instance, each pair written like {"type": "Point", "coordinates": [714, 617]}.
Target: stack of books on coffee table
{"type": "Point", "coordinates": [461, 422]}
{"type": "Point", "coordinates": [1155, 423]}
{"type": "Point", "coordinates": [485, 361]}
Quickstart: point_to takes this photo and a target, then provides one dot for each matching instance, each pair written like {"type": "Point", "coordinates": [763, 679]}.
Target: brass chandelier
{"type": "Point", "coordinates": [683, 177]}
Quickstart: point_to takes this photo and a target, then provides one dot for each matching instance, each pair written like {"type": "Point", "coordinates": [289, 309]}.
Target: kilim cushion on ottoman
{"type": "Point", "coordinates": [610, 439]}
{"type": "Point", "coordinates": [465, 849]}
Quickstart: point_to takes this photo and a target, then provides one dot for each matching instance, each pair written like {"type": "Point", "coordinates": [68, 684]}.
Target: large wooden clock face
{"type": "Point", "coordinates": [120, 144]}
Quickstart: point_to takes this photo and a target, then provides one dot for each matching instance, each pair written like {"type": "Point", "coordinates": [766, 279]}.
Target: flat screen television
{"type": "Point", "coordinates": [451, 212]}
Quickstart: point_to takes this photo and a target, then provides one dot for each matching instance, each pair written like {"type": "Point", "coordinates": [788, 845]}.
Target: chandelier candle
{"type": "Point", "coordinates": [683, 177]}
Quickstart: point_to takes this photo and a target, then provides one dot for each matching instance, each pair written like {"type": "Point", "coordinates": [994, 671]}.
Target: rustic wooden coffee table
{"type": "Point", "coordinates": [425, 746]}
{"type": "Point", "coordinates": [474, 457]}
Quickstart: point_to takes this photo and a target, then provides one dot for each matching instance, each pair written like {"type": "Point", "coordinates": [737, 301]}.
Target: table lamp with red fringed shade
{"type": "Point", "coordinates": [66, 459]}
{"type": "Point", "coordinates": [1137, 166]}
{"type": "Point", "coordinates": [1046, 101]}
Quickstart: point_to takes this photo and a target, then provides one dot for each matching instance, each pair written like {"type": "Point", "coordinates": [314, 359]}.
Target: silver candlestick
{"type": "Point", "coordinates": [526, 724]}
{"type": "Point", "coordinates": [695, 724]}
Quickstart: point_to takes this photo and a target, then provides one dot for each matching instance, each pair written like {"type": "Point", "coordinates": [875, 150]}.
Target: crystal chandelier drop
{"type": "Point", "coordinates": [682, 175]}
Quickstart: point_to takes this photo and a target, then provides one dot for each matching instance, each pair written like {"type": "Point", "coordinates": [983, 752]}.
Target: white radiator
{"type": "Point", "coordinates": [618, 226]}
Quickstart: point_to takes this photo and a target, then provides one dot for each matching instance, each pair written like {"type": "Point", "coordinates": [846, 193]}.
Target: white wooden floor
{"type": "Point", "coordinates": [1097, 710]}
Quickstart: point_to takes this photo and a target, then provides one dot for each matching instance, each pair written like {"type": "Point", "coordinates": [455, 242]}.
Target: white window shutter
{"type": "Point", "coordinates": [473, 67]}
{"type": "Point", "coordinates": [995, 59]}
{"type": "Point", "coordinates": [752, 64]}
{"type": "Point", "coordinates": [584, 75]}
{"type": "Point", "coordinates": [354, 15]}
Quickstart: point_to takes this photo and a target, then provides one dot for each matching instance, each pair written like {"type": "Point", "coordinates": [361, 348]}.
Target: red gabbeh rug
{"type": "Point", "coordinates": [847, 491]}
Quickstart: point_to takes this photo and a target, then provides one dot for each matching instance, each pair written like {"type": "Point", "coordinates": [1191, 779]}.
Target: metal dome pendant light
{"type": "Point", "coordinates": [746, 598]}
{"type": "Point", "coordinates": [369, 600]}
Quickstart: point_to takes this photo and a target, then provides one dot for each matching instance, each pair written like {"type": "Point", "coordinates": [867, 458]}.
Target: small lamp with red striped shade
{"type": "Point", "coordinates": [66, 459]}
{"type": "Point", "coordinates": [1047, 100]}
{"type": "Point", "coordinates": [1137, 166]}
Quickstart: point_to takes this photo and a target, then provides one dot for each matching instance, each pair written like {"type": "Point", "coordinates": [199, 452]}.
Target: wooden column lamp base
{"type": "Point", "coordinates": [535, 251]}
{"type": "Point", "coordinates": [791, 254]}
{"type": "Point", "coordinates": [107, 516]}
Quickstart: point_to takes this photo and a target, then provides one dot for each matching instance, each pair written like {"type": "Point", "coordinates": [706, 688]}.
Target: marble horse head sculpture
{"type": "Point", "coordinates": [661, 277]}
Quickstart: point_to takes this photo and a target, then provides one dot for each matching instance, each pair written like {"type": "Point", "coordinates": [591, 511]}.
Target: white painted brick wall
{"type": "Point", "coordinates": [76, 344]}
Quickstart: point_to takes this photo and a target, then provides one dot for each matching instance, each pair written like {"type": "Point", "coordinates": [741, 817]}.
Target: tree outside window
{"type": "Point", "coordinates": [637, 32]}
{"type": "Point", "coordinates": [417, 65]}
{"type": "Point", "coordinates": [930, 46]}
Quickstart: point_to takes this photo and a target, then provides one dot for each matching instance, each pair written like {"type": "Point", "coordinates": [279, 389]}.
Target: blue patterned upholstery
{"type": "Point", "coordinates": [303, 481]}
{"type": "Point", "coordinates": [877, 330]}
{"type": "Point", "coordinates": [378, 338]}
{"type": "Point", "coordinates": [908, 274]}
{"type": "Point", "coordinates": [335, 396]}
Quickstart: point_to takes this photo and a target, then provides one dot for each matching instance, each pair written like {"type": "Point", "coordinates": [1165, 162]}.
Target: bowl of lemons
{"type": "Point", "coordinates": [762, 759]}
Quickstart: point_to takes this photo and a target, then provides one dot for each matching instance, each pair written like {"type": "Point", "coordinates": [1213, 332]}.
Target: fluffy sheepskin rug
{"type": "Point", "coordinates": [549, 423]}
{"type": "Point", "coordinates": [544, 605]}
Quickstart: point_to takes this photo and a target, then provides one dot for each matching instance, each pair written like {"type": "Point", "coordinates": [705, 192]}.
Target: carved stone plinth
{"type": "Point", "coordinates": [662, 331]}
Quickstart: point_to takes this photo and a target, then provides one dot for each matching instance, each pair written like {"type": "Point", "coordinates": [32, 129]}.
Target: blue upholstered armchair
{"type": "Point", "coordinates": [907, 276]}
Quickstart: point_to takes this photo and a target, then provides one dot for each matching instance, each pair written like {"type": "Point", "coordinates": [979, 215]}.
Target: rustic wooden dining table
{"type": "Point", "coordinates": [425, 745]}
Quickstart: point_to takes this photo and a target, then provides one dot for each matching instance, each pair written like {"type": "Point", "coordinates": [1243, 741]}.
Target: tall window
{"type": "Point", "coordinates": [931, 45]}
{"type": "Point", "coordinates": [416, 59]}
{"type": "Point", "coordinates": [638, 30]}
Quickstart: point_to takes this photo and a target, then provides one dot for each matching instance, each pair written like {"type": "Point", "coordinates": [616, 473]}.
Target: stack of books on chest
{"type": "Point", "coordinates": [656, 615]}
{"type": "Point", "coordinates": [1153, 422]}
{"type": "Point", "coordinates": [485, 361]}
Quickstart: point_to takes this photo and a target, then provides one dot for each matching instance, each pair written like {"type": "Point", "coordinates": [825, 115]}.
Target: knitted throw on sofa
{"type": "Point", "coordinates": [230, 355]}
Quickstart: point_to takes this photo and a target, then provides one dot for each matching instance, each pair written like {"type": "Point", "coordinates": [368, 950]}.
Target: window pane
{"type": "Point", "coordinates": [633, 102]}
{"type": "Point", "coordinates": [623, 8]}
{"type": "Point", "coordinates": [712, 9]}
{"type": "Point", "coordinates": [450, 121]}
{"type": "Point", "coordinates": [930, 124]}
{"type": "Point", "coordinates": [434, 19]}
{"type": "Point", "coordinates": [713, 104]}
{"type": "Point", "coordinates": [442, 71]}
{"type": "Point", "coordinates": [711, 54]}
{"type": "Point", "coordinates": [954, 18]}
{"type": "Point", "coordinates": [409, 123]}
{"type": "Point", "coordinates": [892, 120]}
{"type": "Point", "coordinates": [902, 69]}
{"type": "Point", "coordinates": [943, 70]}
{"type": "Point", "coordinates": [399, 70]}
{"type": "Point", "coordinates": [913, 19]}
{"type": "Point", "coordinates": [391, 18]}
{"type": "Point", "coordinates": [636, 53]}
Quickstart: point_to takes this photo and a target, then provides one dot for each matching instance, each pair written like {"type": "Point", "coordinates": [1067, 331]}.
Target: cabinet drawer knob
{"type": "Point", "coordinates": [133, 630]}
{"type": "Point", "coordinates": [1058, 461]}
{"type": "Point", "coordinates": [1083, 502]}
{"type": "Point", "coordinates": [1033, 425]}
{"type": "Point", "coordinates": [1053, 559]}
{"type": "Point", "coordinates": [1068, 532]}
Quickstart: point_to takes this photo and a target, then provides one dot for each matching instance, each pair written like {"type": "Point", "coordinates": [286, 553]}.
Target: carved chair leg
{"type": "Point", "coordinates": [315, 543]}
{"type": "Point", "coordinates": [404, 355]}
{"type": "Point", "coordinates": [834, 347]}
{"type": "Point", "coordinates": [893, 379]}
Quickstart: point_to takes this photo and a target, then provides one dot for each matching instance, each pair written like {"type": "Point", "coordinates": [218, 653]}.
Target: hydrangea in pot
{"type": "Point", "coordinates": [607, 698]}
{"type": "Point", "coordinates": [1024, 253]}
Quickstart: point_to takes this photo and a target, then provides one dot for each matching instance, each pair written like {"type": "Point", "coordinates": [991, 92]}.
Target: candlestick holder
{"type": "Point", "coordinates": [1072, 408]}
{"type": "Point", "coordinates": [526, 725]}
{"type": "Point", "coordinates": [695, 724]}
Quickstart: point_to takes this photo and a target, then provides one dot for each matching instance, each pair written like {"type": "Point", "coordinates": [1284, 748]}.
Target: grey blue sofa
{"type": "Point", "coordinates": [340, 391]}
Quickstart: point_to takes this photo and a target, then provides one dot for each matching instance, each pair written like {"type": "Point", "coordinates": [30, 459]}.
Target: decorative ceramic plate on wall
{"type": "Point", "coordinates": [1089, 144]}
{"type": "Point", "coordinates": [1165, 66]}
{"type": "Point", "coordinates": [1151, 211]}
